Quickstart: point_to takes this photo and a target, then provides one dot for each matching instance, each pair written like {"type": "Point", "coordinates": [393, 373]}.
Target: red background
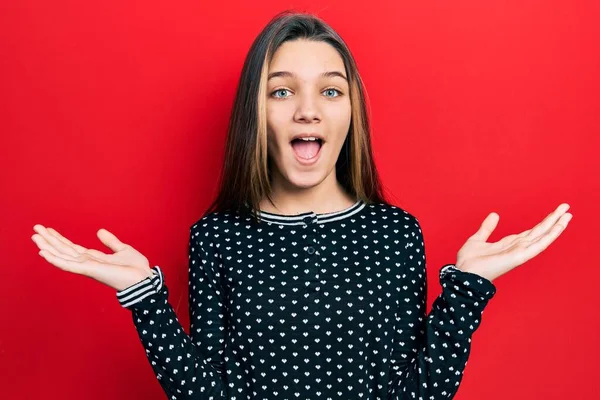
{"type": "Point", "coordinates": [114, 115]}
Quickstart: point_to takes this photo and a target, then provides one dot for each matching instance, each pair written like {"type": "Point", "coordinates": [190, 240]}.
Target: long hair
{"type": "Point", "coordinates": [246, 174]}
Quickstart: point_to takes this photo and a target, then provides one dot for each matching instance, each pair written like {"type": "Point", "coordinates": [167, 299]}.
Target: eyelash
{"type": "Point", "coordinates": [331, 88]}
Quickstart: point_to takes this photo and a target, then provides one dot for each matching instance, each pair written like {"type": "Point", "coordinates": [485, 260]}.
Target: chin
{"type": "Point", "coordinates": [305, 180]}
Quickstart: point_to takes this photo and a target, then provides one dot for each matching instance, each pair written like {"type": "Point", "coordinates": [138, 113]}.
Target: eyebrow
{"type": "Point", "coordinates": [288, 74]}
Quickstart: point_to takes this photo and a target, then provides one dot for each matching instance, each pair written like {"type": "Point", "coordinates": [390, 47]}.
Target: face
{"type": "Point", "coordinates": [307, 95]}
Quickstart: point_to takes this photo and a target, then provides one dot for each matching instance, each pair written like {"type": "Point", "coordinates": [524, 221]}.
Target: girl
{"type": "Point", "coordinates": [304, 282]}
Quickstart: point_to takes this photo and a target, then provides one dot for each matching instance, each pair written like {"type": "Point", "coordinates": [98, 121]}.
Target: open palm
{"type": "Point", "coordinates": [491, 260]}
{"type": "Point", "coordinates": [125, 267]}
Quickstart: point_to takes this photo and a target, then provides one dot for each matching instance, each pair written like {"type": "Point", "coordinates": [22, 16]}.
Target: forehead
{"type": "Point", "coordinates": [306, 58]}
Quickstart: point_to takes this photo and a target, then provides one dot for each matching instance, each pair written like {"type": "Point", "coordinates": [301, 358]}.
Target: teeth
{"type": "Point", "coordinates": [308, 139]}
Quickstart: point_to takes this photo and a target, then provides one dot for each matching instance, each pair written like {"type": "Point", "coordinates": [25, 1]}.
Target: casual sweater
{"type": "Point", "coordinates": [310, 306]}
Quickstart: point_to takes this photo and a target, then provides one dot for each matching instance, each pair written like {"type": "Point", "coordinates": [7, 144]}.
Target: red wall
{"type": "Point", "coordinates": [114, 115]}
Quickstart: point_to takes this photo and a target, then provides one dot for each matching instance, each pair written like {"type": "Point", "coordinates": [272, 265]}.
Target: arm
{"type": "Point", "coordinates": [187, 367]}
{"type": "Point", "coordinates": [431, 351]}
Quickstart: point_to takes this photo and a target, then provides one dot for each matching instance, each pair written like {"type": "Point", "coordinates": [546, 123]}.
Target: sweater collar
{"type": "Point", "coordinates": [310, 216]}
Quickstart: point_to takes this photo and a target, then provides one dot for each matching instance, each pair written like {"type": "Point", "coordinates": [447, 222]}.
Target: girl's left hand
{"type": "Point", "coordinates": [491, 260]}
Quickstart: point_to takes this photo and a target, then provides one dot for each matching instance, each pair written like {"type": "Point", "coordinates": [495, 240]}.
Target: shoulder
{"type": "Point", "coordinates": [397, 224]}
{"type": "Point", "coordinates": [206, 233]}
{"type": "Point", "coordinates": [398, 230]}
{"type": "Point", "coordinates": [216, 223]}
{"type": "Point", "coordinates": [393, 216]}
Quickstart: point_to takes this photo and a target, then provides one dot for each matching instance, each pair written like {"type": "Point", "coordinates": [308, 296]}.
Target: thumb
{"type": "Point", "coordinates": [110, 240]}
{"type": "Point", "coordinates": [487, 227]}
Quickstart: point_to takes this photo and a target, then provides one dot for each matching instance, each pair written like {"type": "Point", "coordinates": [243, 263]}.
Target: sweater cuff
{"type": "Point", "coordinates": [142, 289]}
{"type": "Point", "coordinates": [468, 282]}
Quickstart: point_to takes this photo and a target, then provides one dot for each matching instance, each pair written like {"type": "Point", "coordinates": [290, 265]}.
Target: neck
{"type": "Point", "coordinates": [328, 196]}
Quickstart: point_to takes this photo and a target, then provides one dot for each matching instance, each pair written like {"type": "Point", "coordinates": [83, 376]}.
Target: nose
{"type": "Point", "coordinates": [307, 109]}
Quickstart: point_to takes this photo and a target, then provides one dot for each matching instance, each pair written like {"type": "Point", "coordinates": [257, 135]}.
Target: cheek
{"type": "Point", "coordinates": [276, 117]}
{"type": "Point", "coordinates": [338, 114]}
{"type": "Point", "coordinates": [339, 120]}
{"type": "Point", "coordinates": [272, 119]}
{"type": "Point", "coordinates": [277, 131]}
{"type": "Point", "coordinates": [343, 113]}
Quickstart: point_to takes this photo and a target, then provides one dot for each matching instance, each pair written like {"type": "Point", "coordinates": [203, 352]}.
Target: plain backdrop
{"type": "Point", "coordinates": [113, 115]}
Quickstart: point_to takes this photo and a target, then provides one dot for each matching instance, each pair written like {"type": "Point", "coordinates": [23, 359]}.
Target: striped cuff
{"type": "Point", "coordinates": [144, 288]}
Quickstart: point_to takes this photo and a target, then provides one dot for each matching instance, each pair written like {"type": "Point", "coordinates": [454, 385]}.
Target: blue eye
{"type": "Point", "coordinates": [278, 90]}
{"type": "Point", "coordinates": [286, 90]}
{"type": "Point", "coordinates": [339, 93]}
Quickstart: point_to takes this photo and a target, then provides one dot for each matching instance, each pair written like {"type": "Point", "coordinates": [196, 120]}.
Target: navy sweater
{"type": "Point", "coordinates": [310, 306]}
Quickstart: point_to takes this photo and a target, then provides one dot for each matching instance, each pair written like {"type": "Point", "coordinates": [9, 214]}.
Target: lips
{"type": "Point", "coordinates": [315, 135]}
{"type": "Point", "coordinates": [306, 151]}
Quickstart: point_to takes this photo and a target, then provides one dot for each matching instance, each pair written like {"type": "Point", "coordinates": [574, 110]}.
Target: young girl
{"type": "Point", "coordinates": [304, 282]}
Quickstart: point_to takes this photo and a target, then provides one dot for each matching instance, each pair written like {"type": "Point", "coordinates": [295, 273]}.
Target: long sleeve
{"type": "Point", "coordinates": [431, 350]}
{"type": "Point", "coordinates": [187, 367]}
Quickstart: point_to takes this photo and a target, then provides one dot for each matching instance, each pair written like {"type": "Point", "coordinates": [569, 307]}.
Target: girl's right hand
{"type": "Point", "coordinates": [125, 267]}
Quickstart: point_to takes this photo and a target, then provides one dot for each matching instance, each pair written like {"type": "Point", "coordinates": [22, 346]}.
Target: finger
{"type": "Point", "coordinates": [487, 227]}
{"type": "Point", "coordinates": [76, 247]}
{"type": "Point", "coordinates": [64, 264]}
{"type": "Point", "coordinates": [548, 222]}
{"type": "Point", "coordinates": [540, 244]}
{"type": "Point", "coordinates": [505, 242]}
{"type": "Point", "coordinates": [512, 239]}
{"type": "Point", "coordinates": [524, 233]}
{"type": "Point", "coordinates": [110, 240]}
{"type": "Point", "coordinates": [100, 255]}
{"type": "Point", "coordinates": [80, 249]}
{"type": "Point", "coordinates": [44, 245]}
{"type": "Point", "coordinates": [54, 242]}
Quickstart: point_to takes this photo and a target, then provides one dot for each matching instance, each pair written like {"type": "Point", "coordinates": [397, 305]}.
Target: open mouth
{"type": "Point", "coordinates": [306, 148]}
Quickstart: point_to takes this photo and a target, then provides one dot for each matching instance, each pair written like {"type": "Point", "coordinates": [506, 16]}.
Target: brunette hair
{"type": "Point", "coordinates": [245, 176]}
